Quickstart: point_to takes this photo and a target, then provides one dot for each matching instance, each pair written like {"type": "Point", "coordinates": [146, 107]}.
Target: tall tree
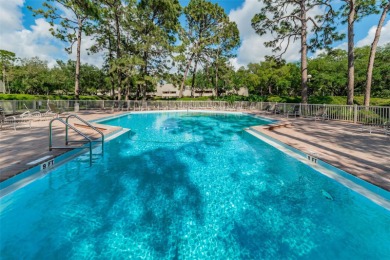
{"type": "Point", "coordinates": [153, 31]}
{"type": "Point", "coordinates": [353, 11]}
{"type": "Point", "coordinates": [112, 14]}
{"type": "Point", "coordinates": [6, 59]}
{"type": "Point", "coordinates": [385, 8]}
{"type": "Point", "coordinates": [104, 33]}
{"type": "Point", "coordinates": [206, 23]}
{"type": "Point", "coordinates": [328, 71]}
{"type": "Point", "coordinates": [227, 39]}
{"type": "Point", "coordinates": [290, 21]}
{"type": "Point", "coordinates": [69, 29]}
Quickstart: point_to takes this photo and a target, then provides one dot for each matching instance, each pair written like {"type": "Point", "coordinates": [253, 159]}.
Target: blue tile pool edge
{"type": "Point", "coordinates": [108, 117]}
{"type": "Point", "coordinates": [366, 189]}
{"type": "Point", "coordinates": [34, 173]}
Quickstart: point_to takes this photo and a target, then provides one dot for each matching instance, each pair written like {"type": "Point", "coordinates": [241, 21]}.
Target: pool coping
{"type": "Point", "coordinates": [370, 191]}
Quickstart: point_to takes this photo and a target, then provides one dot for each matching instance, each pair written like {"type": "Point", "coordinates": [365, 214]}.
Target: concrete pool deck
{"type": "Point", "coordinates": [340, 144]}
{"type": "Point", "coordinates": [25, 145]}
{"type": "Point", "coordinates": [343, 145]}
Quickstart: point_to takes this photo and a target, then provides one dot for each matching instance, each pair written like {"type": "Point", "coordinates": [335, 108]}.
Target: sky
{"type": "Point", "coordinates": [29, 36]}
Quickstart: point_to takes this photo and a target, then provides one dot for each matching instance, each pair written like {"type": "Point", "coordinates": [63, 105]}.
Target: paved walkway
{"type": "Point", "coordinates": [341, 144]}
{"type": "Point", "coordinates": [25, 145]}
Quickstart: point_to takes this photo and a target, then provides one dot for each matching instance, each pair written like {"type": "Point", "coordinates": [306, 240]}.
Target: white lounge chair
{"type": "Point", "coordinates": [296, 111]}
{"type": "Point", "coordinates": [13, 121]}
{"type": "Point", "coordinates": [321, 114]}
{"type": "Point", "coordinates": [54, 110]}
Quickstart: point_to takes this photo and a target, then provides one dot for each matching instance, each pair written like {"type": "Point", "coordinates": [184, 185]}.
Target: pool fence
{"type": "Point", "coordinates": [373, 115]}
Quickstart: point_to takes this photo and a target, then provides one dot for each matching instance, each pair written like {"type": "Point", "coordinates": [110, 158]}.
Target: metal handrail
{"type": "Point", "coordinates": [85, 122]}
{"type": "Point", "coordinates": [73, 128]}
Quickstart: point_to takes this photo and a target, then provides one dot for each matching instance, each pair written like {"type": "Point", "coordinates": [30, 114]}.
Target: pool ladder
{"type": "Point", "coordinates": [67, 141]}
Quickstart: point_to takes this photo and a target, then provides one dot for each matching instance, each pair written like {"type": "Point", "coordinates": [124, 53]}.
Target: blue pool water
{"type": "Point", "coordinates": [190, 186]}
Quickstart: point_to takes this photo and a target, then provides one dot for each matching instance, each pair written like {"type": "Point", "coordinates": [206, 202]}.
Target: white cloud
{"type": "Point", "coordinates": [95, 59]}
{"type": "Point", "coordinates": [342, 46]}
{"type": "Point", "coordinates": [367, 40]}
{"type": "Point", "coordinates": [384, 38]}
{"type": "Point", "coordinates": [10, 16]}
{"type": "Point", "coordinates": [37, 40]}
{"type": "Point", "coordinates": [252, 47]}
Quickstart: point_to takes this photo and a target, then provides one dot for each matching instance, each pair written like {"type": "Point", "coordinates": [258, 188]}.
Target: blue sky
{"type": "Point", "coordinates": [28, 36]}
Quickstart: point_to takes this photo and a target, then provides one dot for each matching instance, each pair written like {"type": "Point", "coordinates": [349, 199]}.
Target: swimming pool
{"type": "Point", "coordinates": [190, 185]}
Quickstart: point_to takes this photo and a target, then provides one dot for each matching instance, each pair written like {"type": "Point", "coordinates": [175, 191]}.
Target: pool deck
{"type": "Point", "coordinates": [21, 147]}
{"type": "Point", "coordinates": [340, 144]}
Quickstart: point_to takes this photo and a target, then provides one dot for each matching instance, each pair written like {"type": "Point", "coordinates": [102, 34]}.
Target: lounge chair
{"type": "Point", "coordinates": [13, 121]}
{"type": "Point", "coordinates": [53, 109]}
{"type": "Point", "coordinates": [272, 109]}
{"type": "Point", "coordinates": [296, 111]}
{"type": "Point", "coordinates": [35, 116]}
{"type": "Point", "coordinates": [268, 108]}
{"type": "Point", "coordinates": [321, 114]}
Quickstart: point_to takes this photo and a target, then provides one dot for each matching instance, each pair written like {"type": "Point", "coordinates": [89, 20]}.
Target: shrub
{"type": "Point", "coordinates": [370, 117]}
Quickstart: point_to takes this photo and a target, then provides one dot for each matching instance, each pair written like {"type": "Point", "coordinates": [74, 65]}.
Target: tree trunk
{"type": "Point", "coordinates": [216, 79]}
{"type": "Point", "coordinates": [144, 91]}
{"type": "Point", "coordinates": [110, 58]}
{"type": "Point", "coordinates": [193, 79]}
{"type": "Point", "coordinates": [351, 56]}
{"type": "Point", "coordinates": [208, 81]}
{"type": "Point", "coordinates": [374, 45]}
{"type": "Point", "coordinates": [127, 92]}
{"type": "Point", "coordinates": [304, 55]}
{"type": "Point", "coordinates": [137, 92]}
{"type": "Point", "coordinates": [5, 85]}
{"type": "Point", "coordinates": [185, 75]}
{"type": "Point", "coordinates": [77, 77]}
{"type": "Point", "coordinates": [118, 54]}
{"type": "Point", "coordinates": [144, 86]}
{"type": "Point", "coordinates": [304, 93]}
{"type": "Point", "coordinates": [4, 72]}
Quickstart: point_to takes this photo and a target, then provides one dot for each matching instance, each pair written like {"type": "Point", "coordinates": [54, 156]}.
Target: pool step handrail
{"type": "Point", "coordinates": [88, 140]}
{"type": "Point", "coordinates": [87, 124]}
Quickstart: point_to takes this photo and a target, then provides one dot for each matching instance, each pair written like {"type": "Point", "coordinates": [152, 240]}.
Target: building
{"type": "Point", "coordinates": [170, 91]}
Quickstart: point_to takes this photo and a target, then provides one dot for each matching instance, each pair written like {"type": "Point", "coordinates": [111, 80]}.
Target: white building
{"type": "Point", "coordinates": [170, 91]}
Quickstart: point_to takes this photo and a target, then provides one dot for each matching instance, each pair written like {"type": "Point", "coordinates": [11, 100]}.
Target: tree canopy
{"type": "Point", "coordinates": [146, 42]}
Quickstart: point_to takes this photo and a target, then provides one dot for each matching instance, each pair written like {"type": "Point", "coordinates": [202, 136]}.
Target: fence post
{"type": "Point", "coordinates": [14, 107]}
{"type": "Point", "coordinates": [355, 115]}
